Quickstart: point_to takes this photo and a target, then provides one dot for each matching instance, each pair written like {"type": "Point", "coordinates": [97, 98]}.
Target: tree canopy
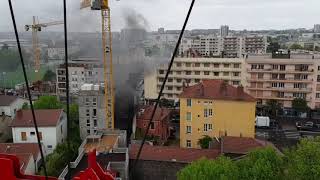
{"type": "Point", "coordinates": [296, 46]}
{"type": "Point", "coordinates": [300, 105]}
{"type": "Point", "coordinates": [204, 142]}
{"type": "Point", "coordinates": [272, 107]}
{"type": "Point", "coordinates": [49, 76]}
{"type": "Point", "coordinates": [47, 102]}
{"type": "Point", "coordinates": [301, 162]}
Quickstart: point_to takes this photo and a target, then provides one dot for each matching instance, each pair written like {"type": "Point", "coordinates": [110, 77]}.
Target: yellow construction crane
{"type": "Point", "coordinates": [103, 6]}
{"type": "Point", "coordinates": [35, 27]}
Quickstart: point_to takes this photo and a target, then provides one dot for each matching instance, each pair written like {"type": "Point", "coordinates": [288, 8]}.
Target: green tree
{"type": "Point", "coordinates": [272, 107]}
{"type": "Point", "coordinates": [47, 102]}
{"type": "Point", "coordinates": [49, 76]}
{"type": "Point", "coordinates": [273, 47]}
{"type": "Point", "coordinates": [300, 105]}
{"type": "Point", "coordinates": [296, 46]}
{"type": "Point", "coordinates": [262, 164]}
{"type": "Point", "coordinates": [303, 162]}
{"type": "Point", "coordinates": [204, 142]}
{"type": "Point", "coordinates": [220, 169]}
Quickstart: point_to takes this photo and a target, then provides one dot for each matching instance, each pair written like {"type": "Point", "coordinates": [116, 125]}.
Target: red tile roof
{"type": "Point", "coordinates": [161, 113]}
{"type": "Point", "coordinates": [216, 89]}
{"type": "Point", "coordinates": [20, 148]}
{"type": "Point", "coordinates": [24, 160]}
{"type": "Point", "coordinates": [44, 117]}
{"type": "Point", "coordinates": [7, 100]}
{"type": "Point", "coordinates": [175, 154]}
{"type": "Point", "coordinates": [241, 145]}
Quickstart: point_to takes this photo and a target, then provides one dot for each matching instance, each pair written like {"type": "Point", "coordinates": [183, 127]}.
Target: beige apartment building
{"type": "Point", "coordinates": [283, 79]}
{"type": "Point", "coordinates": [190, 71]}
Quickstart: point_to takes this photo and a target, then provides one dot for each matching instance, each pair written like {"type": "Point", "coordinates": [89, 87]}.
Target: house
{"type": "Point", "coordinates": [111, 153]}
{"type": "Point", "coordinates": [163, 162]}
{"type": "Point", "coordinates": [27, 153]}
{"type": "Point", "coordinates": [214, 108]}
{"type": "Point", "coordinates": [8, 107]}
{"type": "Point", "coordinates": [10, 104]}
{"type": "Point", "coordinates": [52, 125]}
{"type": "Point", "coordinates": [160, 123]}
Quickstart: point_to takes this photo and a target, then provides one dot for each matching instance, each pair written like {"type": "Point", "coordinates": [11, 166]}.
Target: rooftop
{"type": "Point", "coordinates": [7, 100]}
{"type": "Point", "coordinates": [159, 115]}
{"type": "Point", "coordinates": [216, 89]}
{"type": "Point", "coordinates": [104, 144]}
{"type": "Point", "coordinates": [171, 154]}
{"type": "Point", "coordinates": [44, 117]}
{"type": "Point", "coordinates": [20, 148]}
{"type": "Point", "coordinates": [241, 145]}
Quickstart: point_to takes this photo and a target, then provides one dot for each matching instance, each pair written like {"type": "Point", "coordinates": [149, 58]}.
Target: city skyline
{"type": "Point", "coordinates": [237, 14]}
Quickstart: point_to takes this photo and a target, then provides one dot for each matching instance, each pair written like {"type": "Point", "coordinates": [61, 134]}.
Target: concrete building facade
{"type": "Point", "coordinates": [92, 110]}
{"type": "Point", "coordinates": [190, 71]}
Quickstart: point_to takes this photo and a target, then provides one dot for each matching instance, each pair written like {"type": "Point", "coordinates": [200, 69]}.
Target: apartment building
{"type": "Point", "coordinates": [92, 110]}
{"type": "Point", "coordinates": [190, 71]}
{"type": "Point", "coordinates": [226, 46]}
{"type": "Point", "coordinates": [79, 74]}
{"type": "Point", "coordinates": [224, 31]}
{"type": "Point", "coordinates": [283, 79]}
{"type": "Point", "coordinates": [215, 108]}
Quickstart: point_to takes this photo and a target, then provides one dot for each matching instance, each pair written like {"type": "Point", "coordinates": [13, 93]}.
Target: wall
{"type": "Point", "coordinates": [237, 118]}
{"type": "Point", "coordinates": [150, 85]}
{"type": "Point", "coordinates": [10, 110]}
{"type": "Point", "coordinates": [49, 136]}
{"type": "Point", "coordinates": [5, 131]}
{"type": "Point", "coordinates": [30, 167]}
{"type": "Point", "coordinates": [63, 123]}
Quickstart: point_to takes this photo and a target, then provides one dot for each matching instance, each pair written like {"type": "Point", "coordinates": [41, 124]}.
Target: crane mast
{"type": "Point", "coordinates": [103, 6]}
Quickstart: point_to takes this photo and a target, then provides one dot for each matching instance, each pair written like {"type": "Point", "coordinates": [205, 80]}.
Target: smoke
{"type": "Point", "coordinates": [135, 20]}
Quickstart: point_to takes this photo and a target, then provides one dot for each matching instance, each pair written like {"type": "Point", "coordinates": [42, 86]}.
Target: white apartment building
{"type": "Point", "coordinates": [227, 46]}
{"type": "Point", "coordinates": [52, 125]}
{"type": "Point", "coordinates": [190, 71]}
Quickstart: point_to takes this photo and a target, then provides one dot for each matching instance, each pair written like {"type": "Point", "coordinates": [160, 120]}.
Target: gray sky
{"type": "Point", "coordinates": [207, 14]}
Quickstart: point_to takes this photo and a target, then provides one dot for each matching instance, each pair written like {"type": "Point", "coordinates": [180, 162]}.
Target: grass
{"type": "Point", "coordinates": [10, 79]}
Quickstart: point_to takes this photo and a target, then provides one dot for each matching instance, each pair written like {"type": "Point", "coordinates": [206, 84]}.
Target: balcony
{"type": "Point", "coordinates": [288, 80]}
{"type": "Point", "coordinates": [288, 98]}
{"type": "Point", "coordinates": [287, 71]}
{"type": "Point", "coordinates": [306, 90]}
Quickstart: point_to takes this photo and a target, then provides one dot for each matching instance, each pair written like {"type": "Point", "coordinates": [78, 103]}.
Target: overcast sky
{"type": "Point", "coordinates": [207, 14]}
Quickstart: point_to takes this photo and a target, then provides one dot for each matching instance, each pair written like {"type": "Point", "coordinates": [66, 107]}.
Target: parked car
{"type": "Point", "coordinates": [298, 125]}
{"type": "Point", "coordinates": [262, 122]}
{"type": "Point", "coordinates": [309, 124]}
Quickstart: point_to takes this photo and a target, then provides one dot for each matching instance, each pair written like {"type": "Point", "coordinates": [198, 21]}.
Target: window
{"type": "Point", "coordinates": [32, 133]}
{"type": "Point", "coordinates": [196, 64]}
{"type": "Point", "coordinates": [178, 64]}
{"type": "Point", "coordinates": [236, 65]}
{"type": "Point", "coordinates": [161, 79]}
{"type": "Point", "coordinates": [197, 72]}
{"type": "Point", "coordinates": [206, 113]}
{"type": "Point", "coordinates": [216, 65]}
{"type": "Point", "coordinates": [88, 111]}
{"type": "Point", "coordinates": [189, 117]}
{"type": "Point", "coordinates": [274, 84]}
{"type": "Point", "coordinates": [299, 95]}
{"type": "Point", "coordinates": [282, 67]}
{"type": "Point", "coordinates": [188, 72]}
{"type": "Point", "coordinates": [189, 102]}
{"type": "Point", "coordinates": [178, 72]}
{"type": "Point", "coordinates": [94, 112]}
{"type": "Point", "coordinates": [23, 136]}
{"type": "Point", "coordinates": [274, 66]}
{"type": "Point", "coordinates": [281, 94]}
{"type": "Point", "coordinates": [49, 146]}
{"type": "Point", "coordinates": [207, 127]}
{"type": "Point", "coordinates": [216, 73]}
{"type": "Point", "coordinates": [281, 85]}
{"type": "Point", "coordinates": [88, 131]}
{"type": "Point", "coordinates": [188, 143]}
{"type": "Point", "coordinates": [152, 125]}
{"type": "Point", "coordinates": [274, 76]}
{"type": "Point", "coordinates": [304, 76]}
{"type": "Point", "coordinates": [226, 65]}
{"type": "Point", "coordinates": [170, 80]}
{"type": "Point", "coordinates": [236, 74]}
{"type": "Point", "coordinates": [210, 112]}
{"type": "Point", "coordinates": [188, 128]}
{"type": "Point", "coordinates": [94, 101]}
{"type": "Point", "coordinates": [178, 80]}
{"type": "Point", "coordinates": [206, 64]}
{"type": "Point", "coordinates": [87, 101]}
{"type": "Point", "coordinates": [225, 73]}
{"type": "Point", "coordinates": [197, 80]}
{"type": "Point", "coordinates": [282, 76]}
{"type": "Point", "coordinates": [260, 66]}
{"type": "Point", "coordinates": [161, 71]}
{"type": "Point", "coordinates": [236, 83]}
{"type": "Point", "coordinates": [253, 66]}
{"type": "Point", "coordinates": [300, 85]}
{"type": "Point", "coordinates": [206, 73]}
{"type": "Point", "coordinates": [188, 64]}
{"type": "Point", "coordinates": [40, 136]}
{"type": "Point", "coordinates": [260, 75]}
{"type": "Point", "coordinates": [318, 95]}
{"type": "Point", "coordinates": [169, 88]}
{"type": "Point", "coordinates": [95, 123]}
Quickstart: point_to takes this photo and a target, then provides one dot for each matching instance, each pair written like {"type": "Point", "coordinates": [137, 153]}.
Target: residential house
{"type": "Point", "coordinates": [159, 125]}
{"type": "Point", "coordinates": [28, 154]}
{"type": "Point", "coordinates": [215, 108]}
{"type": "Point", "coordinates": [8, 108]}
{"type": "Point", "coordinates": [52, 126]}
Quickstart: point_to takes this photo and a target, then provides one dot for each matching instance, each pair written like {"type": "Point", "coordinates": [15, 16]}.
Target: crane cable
{"type": "Point", "coordinates": [43, 164]}
{"type": "Point", "coordinates": [162, 87]}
